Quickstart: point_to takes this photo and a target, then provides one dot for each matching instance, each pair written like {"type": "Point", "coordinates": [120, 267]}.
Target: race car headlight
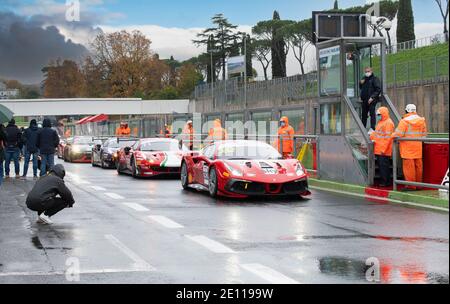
{"type": "Point", "coordinates": [300, 170]}
{"type": "Point", "coordinates": [233, 171]}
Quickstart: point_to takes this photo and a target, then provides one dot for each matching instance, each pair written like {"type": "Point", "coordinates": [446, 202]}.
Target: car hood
{"type": "Point", "coordinates": [165, 159]}
{"type": "Point", "coordinates": [269, 171]}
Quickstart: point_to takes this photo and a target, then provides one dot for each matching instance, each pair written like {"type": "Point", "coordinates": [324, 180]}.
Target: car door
{"type": "Point", "coordinates": [201, 165]}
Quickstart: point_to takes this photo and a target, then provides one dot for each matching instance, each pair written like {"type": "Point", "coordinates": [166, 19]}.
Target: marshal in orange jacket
{"type": "Point", "coordinates": [285, 141]}
{"type": "Point", "coordinates": [382, 137]}
{"type": "Point", "coordinates": [411, 126]}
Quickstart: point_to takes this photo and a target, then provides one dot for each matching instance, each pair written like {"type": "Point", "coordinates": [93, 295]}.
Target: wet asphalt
{"type": "Point", "coordinates": [123, 230]}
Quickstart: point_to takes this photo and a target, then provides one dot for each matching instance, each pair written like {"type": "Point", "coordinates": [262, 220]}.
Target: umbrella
{"type": "Point", "coordinates": [5, 114]}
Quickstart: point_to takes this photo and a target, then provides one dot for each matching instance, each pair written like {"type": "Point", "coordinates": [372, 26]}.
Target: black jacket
{"type": "Point", "coordinates": [47, 188]}
{"type": "Point", "coordinates": [2, 145]}
{"type": "Point", "coordinates": [30, 137]}
{"type": "Point", "coordinates": [13, 137]}
{"type": "Point", "coordinates": [371, 88]}
{"type": "Point", "coordinates": [47, 139]}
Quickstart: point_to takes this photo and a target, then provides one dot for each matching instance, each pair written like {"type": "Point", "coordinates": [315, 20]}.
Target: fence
{"type": "Point", "coordinates": [395, 162]}
{"type": "Point", "coordinates": [418, 43]}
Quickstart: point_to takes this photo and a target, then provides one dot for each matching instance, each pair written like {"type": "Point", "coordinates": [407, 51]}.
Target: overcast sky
{"type": "Point", "coordinates": [171, 25]}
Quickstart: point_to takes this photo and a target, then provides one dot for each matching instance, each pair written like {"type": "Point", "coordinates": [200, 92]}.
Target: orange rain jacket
{"type": "Point", "coordinates": [218, 133]}
{"type": "Point", "coordinates": [123, 130]}
{"type": "Point", "coordinates": [411, 126]}
{"type": "Point", "coordinates": [286, 136]}
{"type": "Point", "coordinates": [382, 137]}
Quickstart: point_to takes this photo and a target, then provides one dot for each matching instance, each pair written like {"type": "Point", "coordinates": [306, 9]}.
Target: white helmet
{"type": "Point", "coordinates": [411, 108]}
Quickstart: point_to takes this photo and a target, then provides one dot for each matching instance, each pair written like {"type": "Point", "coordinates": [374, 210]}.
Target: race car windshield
{"type": "Point", "coordinates": [121, 144]}
{"type": "Point", "coordinates": [247, 151]}
{"type": "Point", "coordinates": [83, 141]}
{"type": "Point", "coordinates": [160, 146]}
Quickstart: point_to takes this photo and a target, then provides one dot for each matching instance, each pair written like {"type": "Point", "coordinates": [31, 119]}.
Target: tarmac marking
{"type": "Point", "coordinates": [114, 196]}
{"type": "Point", "coordinates": [211, 245]}
{"type": "Point", "coordinates": [139, 262]}
{"type": "Point", "coordinates": [56, 273]}
{"type": "Point", "coordinates": [268, 274]}
{"type": "Point", "coordinates": [97, 188]}
{"type": "Point", "coordinates": [136, 207]}
{"type": "Point", "coordinates": [166, 222]}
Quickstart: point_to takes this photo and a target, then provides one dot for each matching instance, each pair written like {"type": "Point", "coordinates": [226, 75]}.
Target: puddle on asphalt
{"type": "Point", "coordinates": [38, 245]}
{"type": "Point", "coordinates": [356, 270]}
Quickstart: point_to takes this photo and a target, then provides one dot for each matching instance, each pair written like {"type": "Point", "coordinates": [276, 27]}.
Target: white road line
{"type": "Point", "coordinates": [136, 207]}
{"type": "Point", "coordinates": [97, 188]}
{"type": "Point", "coordinates": [166, 222]}
{"type": "Point", "coordinates": [268, 274]}
{"type": "Point", "coordinates": [114, 196]}
{"type": "Point", "coordinates": [139, 262]}
{"type": "Point", "coordinates": [212, 245]}
{"type": "Point", "coordinates": [55, 273]}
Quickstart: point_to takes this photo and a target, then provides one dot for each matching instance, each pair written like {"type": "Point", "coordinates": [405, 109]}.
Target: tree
{"type": "Point", "coordinates": [220, 37]}
{"type": "Point", "coordinates": [247, 50]}
{"type": "Point", "coordinates": [336, 5]}
{"type": "Point", "coordinates": [96, 82]}
{"type": "Point", "coordinates": [405, 28]}
{"type": "Point", "coordinates": [298, 37]}
{"type": "Point", "coordinates": [63, 80]}
{"type": "Point", "coordinates": [189, 77]}
{"type": "Point", "coordinates": [279, 48]}
{"type": "Point", "coordinates": [444, 14]}
{"type": "Point", "coordinates": [124, 60]}
{"type": "Point", "coordinates": [13, 84]}
{"type": "Point", "coordinates": [261, 51]}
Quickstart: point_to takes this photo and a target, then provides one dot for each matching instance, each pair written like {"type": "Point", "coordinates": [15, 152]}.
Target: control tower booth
{"type": "Point", "coordinates": [343, 51]}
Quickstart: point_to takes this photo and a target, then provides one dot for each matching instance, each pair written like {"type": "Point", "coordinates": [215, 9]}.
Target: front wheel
{"type": "Point", "coordinates": [118, 168]}
{"type": "Point", "coordinates": [213, 184]}
{"type": "Point", "coordinates": [184, 176]}
{"type": "Point", "coordinates": [134, 170]}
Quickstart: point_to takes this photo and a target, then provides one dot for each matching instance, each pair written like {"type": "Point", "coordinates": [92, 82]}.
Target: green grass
{"type": "Point", "coordinates": [421, 63]}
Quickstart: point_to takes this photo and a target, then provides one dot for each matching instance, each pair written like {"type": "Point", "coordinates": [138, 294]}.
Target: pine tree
{"type": "Point", "coordinates": [248, 56]}
{"type": "Point", "coordinates": [336, 5]}
{"type": "Point", "coordinates": [278, 49]}
{"type": "Point", "coordinates": [405, 28]}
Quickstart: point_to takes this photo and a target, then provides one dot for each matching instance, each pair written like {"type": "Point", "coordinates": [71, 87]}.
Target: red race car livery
{"type": "Point", "coordinates": [151, 157]}
{"type": "Point", "coordinates": [241, 169]}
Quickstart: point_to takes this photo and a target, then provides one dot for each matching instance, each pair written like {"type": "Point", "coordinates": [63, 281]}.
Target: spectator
{"type": "Point", "coordinates": [50, 195]}
{"type": "Point", "coordinates": [371, 90]}
{"type": "Point", "coordinates": [188, 135]}
{"type": "Point", "coordinates": [12, 149]}
{"type": "Point", "coordinates": [30, 142]}
{"type": "Point", "coordinates": [47, 142]}
{"type": "Point", "coordinates": [412, 126]}
{"type": "Point", "coordinates": [217, 133]}
{"type": "Point", "coordinates": [2, 150]}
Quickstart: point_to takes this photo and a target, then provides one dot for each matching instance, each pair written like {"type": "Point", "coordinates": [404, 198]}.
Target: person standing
{"type": "Point", "coordinates": [285, 141]}
{"type": "Point", "coordinates": [47, 142]}
{"type": "Point", "coordinates": [217, 133]}
{"type": "Point", "coordinates": [12, 149]}
{"type": "Point", "coordinates": [382, 138]}
{"type": "Point", "coordinates": [123, 130]}
{"type": "Point", "coordinates": [188, 135]}
{"type": "Point", "coordinates": [411, 152]}
{"type": "Point", "coordinates": [370, 87]}
{"type": "Point", "coordinates": [2, 151]}
{"type": "Point", "coordinates": [50, 195]}
{"type": "Point", "coordinates": [31, 150]}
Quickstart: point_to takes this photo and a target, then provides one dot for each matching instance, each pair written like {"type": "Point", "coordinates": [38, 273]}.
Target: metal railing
{"type": "Point", "coordinates": [395, 163]}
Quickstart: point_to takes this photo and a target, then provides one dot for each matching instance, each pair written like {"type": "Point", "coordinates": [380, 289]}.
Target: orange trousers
{"type": "Point", "coordinates": [413, 170]}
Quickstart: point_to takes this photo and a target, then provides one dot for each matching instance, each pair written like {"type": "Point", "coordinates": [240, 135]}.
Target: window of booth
{"type": "Point", "coordinates": [330, 119]}
{"type": "Point", "coordinates": [330, 71]}
{"type": "Point", "coordinates": [235, 125]}
{"type": "Point", "coordinates": [262, 123]}
{"type": "Point", "coordinates": [297, 120]}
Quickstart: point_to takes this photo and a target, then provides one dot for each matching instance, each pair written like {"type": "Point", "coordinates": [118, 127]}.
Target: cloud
{"type": "Point", "coordinates": [27, 45]}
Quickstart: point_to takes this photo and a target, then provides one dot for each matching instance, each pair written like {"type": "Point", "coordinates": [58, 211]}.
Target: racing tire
{"type": "Point", "coordinates": [184, 176]}
{"type": "Point", "coordinates": [119, 172]}
{"type": "Point", "coordinates": [134, 171]}
{"type": "Point", "coordinates": [213, 186]}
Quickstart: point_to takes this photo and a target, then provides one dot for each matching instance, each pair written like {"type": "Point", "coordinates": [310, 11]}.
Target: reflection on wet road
{"type": "Point", "coordinates": [151, 231]}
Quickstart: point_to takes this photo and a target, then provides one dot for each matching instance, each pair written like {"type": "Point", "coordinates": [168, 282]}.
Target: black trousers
{"type": "Point", "coordinates": [53, 206]}
{"type": "Point", "coordinates": [384, 164]}
{"type": "Point", "coordinates": [369, 110]}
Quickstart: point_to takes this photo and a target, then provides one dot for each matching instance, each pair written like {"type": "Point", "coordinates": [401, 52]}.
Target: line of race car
{"type": "Point", "coordinates": [229, 168]}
